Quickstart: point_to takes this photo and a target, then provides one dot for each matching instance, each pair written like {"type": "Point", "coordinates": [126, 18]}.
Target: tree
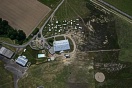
{"type": "Point", "coordinates": [0, 20]}
{"type": "Point", "coordinates": [21, 35]}
{"type": "Point", "coordinates": [7, 31]}
{"type": "Point", "coordinates": [12, 34]}
{"type": "Point", "coordinates": [5, 23]}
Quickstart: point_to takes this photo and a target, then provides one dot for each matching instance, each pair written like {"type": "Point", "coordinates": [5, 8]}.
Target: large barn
{"type": "Point", "coordinates": [61, 45]}
{"type": "Point", "coordinates": [6, 52]}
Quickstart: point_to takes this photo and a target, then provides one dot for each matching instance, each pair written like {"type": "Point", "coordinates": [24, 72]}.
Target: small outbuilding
{"type": "Point", "coordinates": [41, 55]}
{"type": "Point", "coordinates": [21, 60]}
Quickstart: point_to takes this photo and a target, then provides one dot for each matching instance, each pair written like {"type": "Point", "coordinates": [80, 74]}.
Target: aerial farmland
{"type": "Point", "coordinates": [23, 14]}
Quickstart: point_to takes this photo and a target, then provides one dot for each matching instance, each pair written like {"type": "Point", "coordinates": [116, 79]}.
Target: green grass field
{"type": "Point", "coordinates": [3, 39]}
{"type": "Point", "coordinates": [50, 3]}
{"type": "Point", "coordinates": [49, 75]}
{"type": "Point", "coordinates": [56, 75]}
{"type": "Point", "coordinates": [6, 78]}
{"type": "Point", "coordinates": [65, 12]}
{"type": "Point", "coordinates": [124, 33]}
{"type": "Point", "coordinates": [71, 9]}
{"type": "Point", "coordinates": [123, 5]}
{"type": "Point", "coordinates": [79, 6]}
{"type": "Point", "coordinates": [31, 54]}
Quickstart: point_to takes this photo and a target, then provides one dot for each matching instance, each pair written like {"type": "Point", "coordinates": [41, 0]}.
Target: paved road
{"type": "Point", "coordinates": [40, 31]}
{"type": "Point", "coordinates": [115, 9]}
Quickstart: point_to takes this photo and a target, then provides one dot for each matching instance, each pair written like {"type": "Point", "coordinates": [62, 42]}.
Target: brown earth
{"type": "Point", "coordinates": [23, 14]}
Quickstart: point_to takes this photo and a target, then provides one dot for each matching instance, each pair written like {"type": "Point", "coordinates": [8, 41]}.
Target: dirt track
{"type": "Point", "coordinates": [23, 14]}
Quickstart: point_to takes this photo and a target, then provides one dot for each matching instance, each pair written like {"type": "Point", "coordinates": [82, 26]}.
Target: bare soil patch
{"type": "Point", "coordinates": [23, 14]}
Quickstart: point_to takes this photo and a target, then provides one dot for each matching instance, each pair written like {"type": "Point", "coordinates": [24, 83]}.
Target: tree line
{"type": "Point", "coordinates": [7, 31]}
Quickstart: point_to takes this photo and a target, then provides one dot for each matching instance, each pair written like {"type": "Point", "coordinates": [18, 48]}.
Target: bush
{"type": "Point", "coordinates": [35, 31]}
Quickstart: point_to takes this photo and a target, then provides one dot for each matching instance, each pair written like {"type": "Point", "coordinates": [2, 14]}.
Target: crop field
{"type": "Point", "coordinates": [23, 14]}
{"type": "Point", "coordinates": [123, 5]}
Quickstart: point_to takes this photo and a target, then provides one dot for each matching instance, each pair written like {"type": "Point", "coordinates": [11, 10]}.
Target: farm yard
{"type": "Point", "coordinates": [23, 14]}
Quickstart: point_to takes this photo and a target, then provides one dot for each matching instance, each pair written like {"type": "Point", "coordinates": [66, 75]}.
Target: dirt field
{"type": "Point", "coordinates": [23, 14]}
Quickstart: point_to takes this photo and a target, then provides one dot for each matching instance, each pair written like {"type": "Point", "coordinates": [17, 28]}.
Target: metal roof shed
{"type": "Point", "coordinates": [6, 52]}
{"type": "Point", "coordinates": [22, 60]}
{"type": "Point", "coordinates": [61, 45]}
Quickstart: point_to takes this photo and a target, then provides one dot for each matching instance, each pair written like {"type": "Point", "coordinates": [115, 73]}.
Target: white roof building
{"type": "Point", "coordinates": [6, 52]}
{"type": "Point", "coordinates": [61, 45]}
{"type": "Point", "coordinates": [22, 60]}
{"type": "Point", "coordinates": [41, 55]}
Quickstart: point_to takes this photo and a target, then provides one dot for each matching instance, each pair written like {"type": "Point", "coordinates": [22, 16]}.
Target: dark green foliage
{"type": "Point", "coordinates": [7, 31]}
{"type": "Point", "coordinates": [39, 35]}
{"type": "Point", "coordinates": [0, 20]}
{"type": "Point", "coordinates": [35, 31]}
{"type": "Point", "coordinates": [50, 3]}
{"type": "Point", "coordinates": [50, 41]}
{"type": "Point", "coordinates": [12, 34]}
{"type": "Point", "coordinates": [21, 35]}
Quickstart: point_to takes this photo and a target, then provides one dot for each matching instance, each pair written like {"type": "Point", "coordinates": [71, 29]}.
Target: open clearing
{"type": "Point", "coordinates": [123, 5]}
{"type": "Point", "coordinates": [23, 14]}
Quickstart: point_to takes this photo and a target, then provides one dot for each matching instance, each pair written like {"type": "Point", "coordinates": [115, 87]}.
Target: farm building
{"type": "Point", "coordinates": [61, 45]}
{"type": "Point", "coordinates": [41, 55]}
{"type": "Point", "coordinates": [22, 60]}
{"type": "Point", "coordinates": [6, 52]}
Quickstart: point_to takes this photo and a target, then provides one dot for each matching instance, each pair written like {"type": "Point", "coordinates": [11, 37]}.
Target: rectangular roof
{"type": "Point", "coordinates": [61, 45]}
{"type": "Point", "coordinates": [6, 52]}
{"type": "Point", "coordinates": [41, 55]}
{"type": "Point", "coordinates": [22, 60]}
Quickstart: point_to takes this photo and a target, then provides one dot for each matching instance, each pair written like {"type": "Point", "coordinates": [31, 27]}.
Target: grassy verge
{"type": "Point", "coordinates": [59, 38]}
{"type": "Point", "coordinates": [125, 6]}
{"type": "Point", "coordinates": [71, 44]}
{"type": "Point", "coordinates": [50, 3]}
{"type": "Point", "coordinates": [50, 41]}
{"type": "Point", "coordinates": [124, 34]}
{"type": "Point", "coordinates": [8, 40]}
{"type": "Point", "coordinates": [6, 78]}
